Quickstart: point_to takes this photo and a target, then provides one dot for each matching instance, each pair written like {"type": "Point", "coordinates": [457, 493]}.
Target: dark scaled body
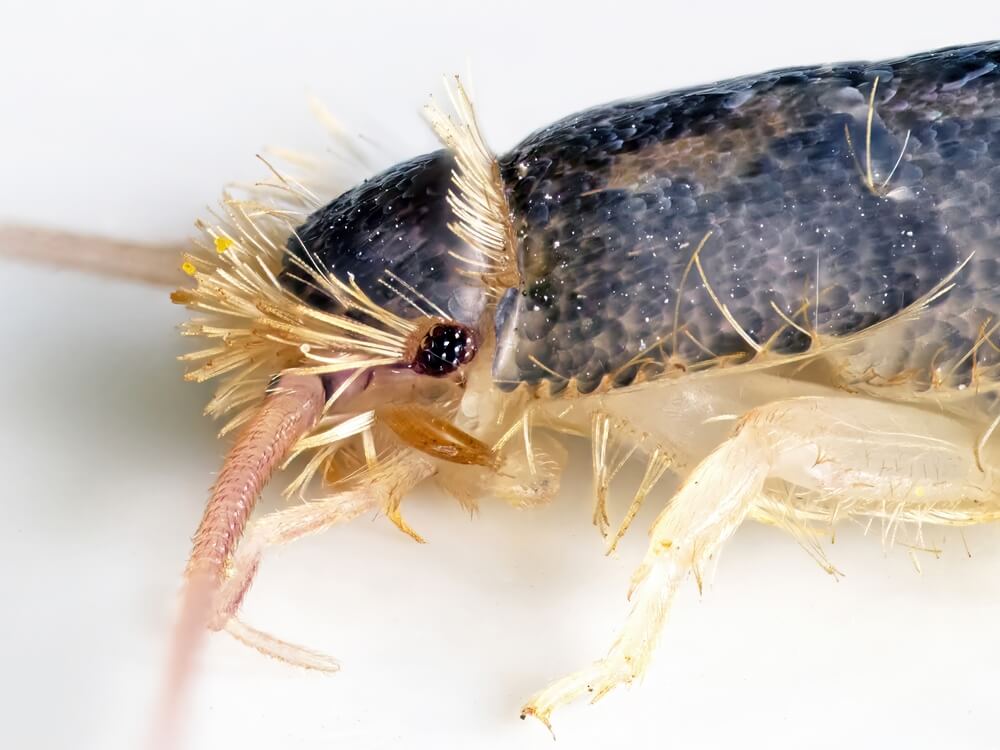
{"type": "Point", "coordinates": [391, 234]}
{"type": "Point", "coordinates": [838, 195]}
{"type": "Point", "coordinates": [611, 204]}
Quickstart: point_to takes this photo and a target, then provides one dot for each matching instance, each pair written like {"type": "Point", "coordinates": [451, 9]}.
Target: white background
{"type": "Point", "coordinates": [126, 119]}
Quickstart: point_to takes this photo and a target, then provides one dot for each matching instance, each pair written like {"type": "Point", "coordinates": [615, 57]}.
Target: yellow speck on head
{"type": "Point", "coordinates": [919, 491]}
{"type": "Point", "coordinates": [222, 244]}
{"type": "Point", "coordinates": [188, 268]}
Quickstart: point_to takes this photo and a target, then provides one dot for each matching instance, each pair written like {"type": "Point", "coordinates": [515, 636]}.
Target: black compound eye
{"type": "Point", "coordinates": [445, 348]}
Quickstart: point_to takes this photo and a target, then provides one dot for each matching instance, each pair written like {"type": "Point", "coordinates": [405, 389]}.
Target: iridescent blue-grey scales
{"type": "Point", "coordinates": [819, 200]}
{"type": "Point", "coordinates": [798, 188]}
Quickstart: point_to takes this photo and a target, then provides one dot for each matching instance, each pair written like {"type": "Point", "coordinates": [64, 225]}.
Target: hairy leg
{"type": "Point", "coordinates": [289, 524]}
{"type": "Point", "coordinates": [862, 455]}
{"type": "Point", "coordinates": [705, 512]}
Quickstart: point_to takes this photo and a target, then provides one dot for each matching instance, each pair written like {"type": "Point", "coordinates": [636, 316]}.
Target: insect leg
{"type": "Point", "coordinates": [709, 507]}
{"type": "Point", "coordinates": [865, 457]}
{"type": "Point", "coordinates": [284, 526]}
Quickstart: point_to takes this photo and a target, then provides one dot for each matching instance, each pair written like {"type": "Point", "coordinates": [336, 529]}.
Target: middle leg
{"type": "Point", "coordinates": [865, 456]}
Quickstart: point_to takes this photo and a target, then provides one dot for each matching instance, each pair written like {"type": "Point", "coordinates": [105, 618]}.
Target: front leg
{"type": "Point", "coordinates": [379, 490]}
{"type": "Point", "coordinates": [857, 456]}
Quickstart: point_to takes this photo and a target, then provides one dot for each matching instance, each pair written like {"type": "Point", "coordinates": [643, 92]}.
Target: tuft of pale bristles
{"type": "Point", "coordinates": [477, 197]}
{"type": "Point", "coordinates": [257, 329]}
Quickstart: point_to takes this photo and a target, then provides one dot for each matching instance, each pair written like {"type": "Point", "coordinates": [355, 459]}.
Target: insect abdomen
{"type": "Point", "coordinates": [669, 232]}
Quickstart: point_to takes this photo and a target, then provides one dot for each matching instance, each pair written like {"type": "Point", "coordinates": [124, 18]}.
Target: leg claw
{"type": "Point", "coordinates": [596, 680]}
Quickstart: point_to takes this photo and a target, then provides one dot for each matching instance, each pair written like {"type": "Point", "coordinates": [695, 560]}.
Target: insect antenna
{"type": "Point", "coordinates": [134, 261]}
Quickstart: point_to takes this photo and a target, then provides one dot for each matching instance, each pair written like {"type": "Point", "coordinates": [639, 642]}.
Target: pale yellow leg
{"type": "Point", "coordinates": [704, 513]}
{"type": "Point", "coordinates": [865, 456]}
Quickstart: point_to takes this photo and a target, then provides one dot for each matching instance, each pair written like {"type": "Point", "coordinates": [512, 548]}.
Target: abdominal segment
{"type": "Point", "coordinates": [760, 216]}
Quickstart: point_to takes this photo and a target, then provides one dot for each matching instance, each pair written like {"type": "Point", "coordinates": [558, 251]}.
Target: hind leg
{"type": "Point", "coordinates": [861, 454]}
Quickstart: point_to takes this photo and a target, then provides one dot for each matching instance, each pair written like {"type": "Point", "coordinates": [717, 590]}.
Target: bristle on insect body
{"type": "Point", "coordinates": [477, 197]}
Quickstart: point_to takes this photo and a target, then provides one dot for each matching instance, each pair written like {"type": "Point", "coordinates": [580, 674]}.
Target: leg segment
{"type": "Point", "coordinates": [855, 456]}
{"type": "Point", "coordinates": [290, 524]}
{"type": "Point", "coordinates": [704, 513]}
